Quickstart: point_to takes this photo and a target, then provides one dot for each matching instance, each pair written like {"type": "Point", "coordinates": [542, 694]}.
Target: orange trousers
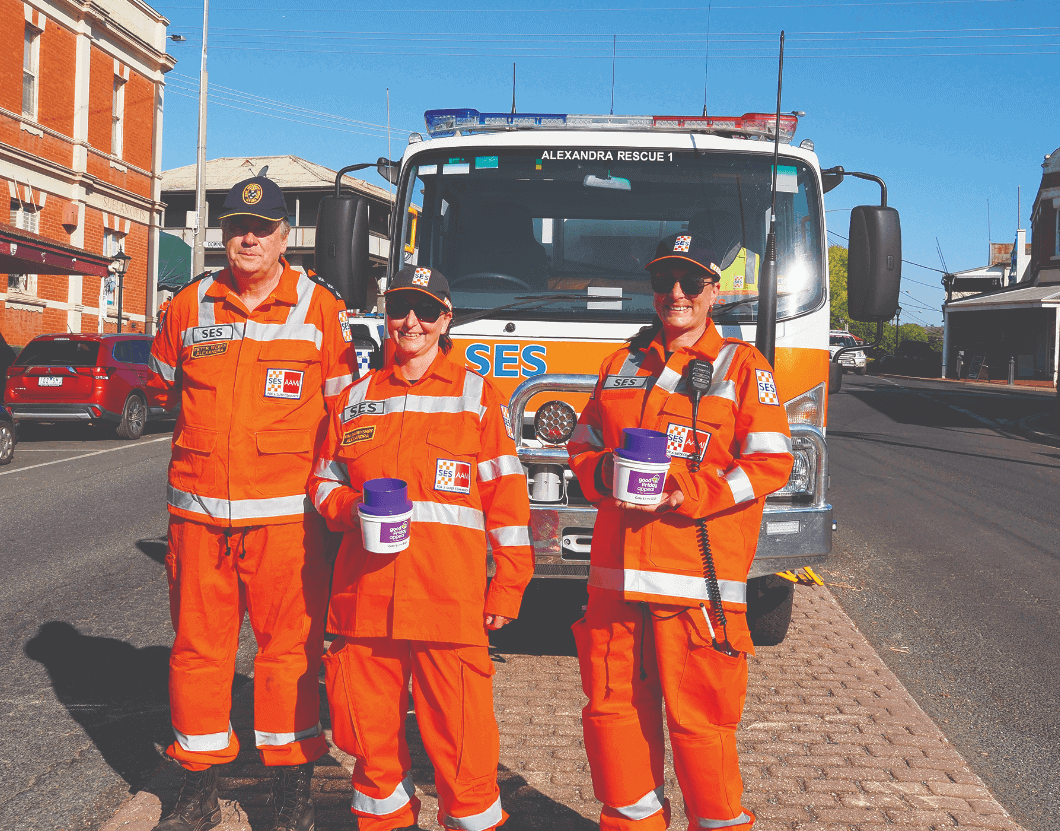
{"type": "Point", "coordinates": [452, 690]}
{"type": "Point", "coordinates": [704, 691]}
{"type": "Point", "coordinates": [279, 575]}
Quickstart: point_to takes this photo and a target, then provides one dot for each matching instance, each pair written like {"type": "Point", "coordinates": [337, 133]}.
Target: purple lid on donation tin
{"type": "Point", "coordinates": [385, 497]}
{"type": "Point", "coordinates": [644, 446]}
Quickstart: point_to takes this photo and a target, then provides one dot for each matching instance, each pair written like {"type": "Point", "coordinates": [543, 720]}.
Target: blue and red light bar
{"type": "Point", "coordinates": [441, 123]}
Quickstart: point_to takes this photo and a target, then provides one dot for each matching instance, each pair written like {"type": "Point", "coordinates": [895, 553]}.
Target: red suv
{"type": "Point", "coordinates": [91, 378]}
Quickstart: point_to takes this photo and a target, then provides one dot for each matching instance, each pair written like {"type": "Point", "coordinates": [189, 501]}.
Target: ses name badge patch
{"type": "Point", "coordinates": [681, 444]}
{"type": "Point", "coordinates": [205, 350]}
{"type": "Point", "coordinates": [283, 383]}
{"type": "Point", "coordinates": [767, 389]}
{"type": "Point", "coordinates": [451, 475]}
{"type": "Point", "coordinates": [358, 435]}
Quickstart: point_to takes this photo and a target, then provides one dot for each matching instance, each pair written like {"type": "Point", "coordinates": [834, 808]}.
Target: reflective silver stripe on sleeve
{"type": "Point", "coordinates": [509, 535]}
{"type": "Point", "coordinates": [723, 389]}
{"type": "Point", "coordinates": [330, 469]}
{"type": "Point", "coordinates": [333, 386]}
{"type": "Point", "coordinates": [254, 330]}
{"type": "Point", "coordinates": [669, 585]}
{"type": "Point", "coordinates": [584, 434]}
{"type": "Point", "coordinates": [324, 490]}
{"type": "Point", "coordinates": [205, 742]}
{"type": "Point", "coordinates": [276, 506]}
{"type": "Point", "coordinates": [381, 807]}
{"type": "Point", "coordinates": [740, 485]}
{"type": "Point", "coordinates": [489, 818]}
{"type": "Point", "coordinates": [496, 468]}
{"type": "Point", "coordinates": [765, 443]}
{"type": "Point", "coordinates": [165, 370]}
{"type": "Point", "coordinates": [722, 823]}
{"type": "Point", "coordinates": [650, 803]}
{"type": "Point", "coordinates": [448, 515]}
{"type": "Point", "coordinates": [263, 739]}
{"type": "Point", "coordinates": [724, 362]}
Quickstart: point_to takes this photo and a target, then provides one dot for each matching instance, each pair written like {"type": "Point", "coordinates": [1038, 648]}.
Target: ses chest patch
{"type": "Point", "coordinates": [453, 476]}
{"type": "Point", "coordinates": [767, 388]}
{"type": "Point", "coordinates": [680, 443]}
{"type": "Point", "coordinates": [283, 383]}
{"type": "Point", "coordinates": [207, 350]}
{"type": "Point", "coordinates": [357, 435]}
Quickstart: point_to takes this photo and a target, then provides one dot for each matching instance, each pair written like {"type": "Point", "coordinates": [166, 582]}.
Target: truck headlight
{"type": "Point", "coordinates": [804, 469]}
{"type": "Point", "coordinates": [554, 422]}
{"type": "Point", "coordinates": [808, 408]}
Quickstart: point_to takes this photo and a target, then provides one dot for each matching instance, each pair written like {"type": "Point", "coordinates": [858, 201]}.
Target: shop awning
{"type": "Point", "coordinates": [23, 252]}
{"type": "Point", "coordinates": [174, 262]}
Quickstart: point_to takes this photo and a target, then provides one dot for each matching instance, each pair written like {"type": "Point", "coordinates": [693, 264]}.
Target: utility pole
{"type": "Point", "coordinates": [198, 256]}
{"type": "Point", "coordinates": [897, 326]}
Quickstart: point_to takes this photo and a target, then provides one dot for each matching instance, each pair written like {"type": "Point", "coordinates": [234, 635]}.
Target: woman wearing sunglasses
{"type": "Point", "coordinates": [424, 612]}
{"type": "Point", "coordinates": [666, 619]}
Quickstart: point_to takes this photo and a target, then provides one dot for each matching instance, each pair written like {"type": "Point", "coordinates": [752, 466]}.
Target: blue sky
{"type": "Point", "coordinates": [952, 102]}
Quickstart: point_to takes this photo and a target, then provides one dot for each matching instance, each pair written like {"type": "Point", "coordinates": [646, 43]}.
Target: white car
{"type": "Point", "coordinates": [848, 360]}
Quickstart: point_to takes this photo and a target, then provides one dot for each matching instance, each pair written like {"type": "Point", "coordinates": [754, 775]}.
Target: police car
{"type": "Point", "coordinates": [848, 360]}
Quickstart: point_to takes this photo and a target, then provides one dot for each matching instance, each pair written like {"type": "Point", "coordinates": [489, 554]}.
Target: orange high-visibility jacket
{"type": "Point", "coordinates": [254, 391]}
{"type": "Point", "coordinates": [447, 436]}
{"type": "Point", "coordinates": [746, 447]}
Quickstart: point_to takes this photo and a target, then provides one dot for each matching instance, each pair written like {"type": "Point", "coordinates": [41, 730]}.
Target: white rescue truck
{"type": "Point", "coordinates": [543, 223]}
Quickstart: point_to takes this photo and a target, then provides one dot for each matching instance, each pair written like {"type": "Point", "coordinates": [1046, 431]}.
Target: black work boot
{"type": "Point", "coordinates": [290, 795]}
{"type": "Point", "coordinates": [197, 808]}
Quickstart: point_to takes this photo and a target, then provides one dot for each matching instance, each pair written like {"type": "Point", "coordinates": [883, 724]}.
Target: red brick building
{"type": "Point", "coordinates": [80, 164]}
{"type": "Point", "coordinates": [1045, 222]}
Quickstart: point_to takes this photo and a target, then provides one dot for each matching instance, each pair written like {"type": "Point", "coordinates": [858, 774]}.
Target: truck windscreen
{"type": "Point", "coordinates": [516, 223]}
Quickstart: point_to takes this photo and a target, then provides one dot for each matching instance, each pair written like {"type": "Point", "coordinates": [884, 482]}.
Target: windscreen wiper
{"type": "Point", "coordinates": [524, 301]}
{"type": "Point", "coordinates": [724, 307]}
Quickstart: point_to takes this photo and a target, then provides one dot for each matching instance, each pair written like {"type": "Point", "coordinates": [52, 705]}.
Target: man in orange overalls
{"type": "Point", "coordinates": [666, 619]}
{"type": "Point", "coordinates": [254, 355]}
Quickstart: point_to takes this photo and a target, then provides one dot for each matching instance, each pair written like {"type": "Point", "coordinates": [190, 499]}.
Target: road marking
{"type": "Point", "coordinates": [86, 455]}
{"type": "Point", "coordinates": [982, 419]}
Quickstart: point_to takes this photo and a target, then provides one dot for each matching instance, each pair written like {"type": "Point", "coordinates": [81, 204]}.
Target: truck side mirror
{"type": "Point", "coordinates": [342, 247]}
{"type": "Point", "coordinates": [874, 263]}
{"type": "Point", "coordinates": [389, 170]}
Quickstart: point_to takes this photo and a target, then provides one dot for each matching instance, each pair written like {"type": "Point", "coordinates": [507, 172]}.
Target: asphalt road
{"type": "Point", "coordinates": [84, 625]}
{"type": "Point", "coordinates": [948, 559]}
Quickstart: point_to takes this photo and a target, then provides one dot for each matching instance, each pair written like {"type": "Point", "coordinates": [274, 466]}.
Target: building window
{"type": "Point", "coordinates": [117, 117]}
{"type": "Point", "coordinates": [24, 216]}
{"type": "Point", "coordinates": [30, 71]}
{"type": "Point", "coordinates": [113, 242]}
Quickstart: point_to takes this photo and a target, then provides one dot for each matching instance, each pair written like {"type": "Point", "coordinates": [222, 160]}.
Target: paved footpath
{"type": "Point", "coordinates": [830, 741]}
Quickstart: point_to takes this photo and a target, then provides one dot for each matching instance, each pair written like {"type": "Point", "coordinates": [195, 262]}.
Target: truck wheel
{"type": "Point", "coordinates": [835, 377]}
{"type": "Point", "coordinates": [133, 418]}
{"type": "Point", "coordinates": [769, 602]}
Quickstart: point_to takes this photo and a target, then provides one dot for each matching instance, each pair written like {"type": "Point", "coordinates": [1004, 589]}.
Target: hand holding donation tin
{"type": "Point", "coordinates": [641, 466]}
{"type": "Point", "coordinates": [386, 516]}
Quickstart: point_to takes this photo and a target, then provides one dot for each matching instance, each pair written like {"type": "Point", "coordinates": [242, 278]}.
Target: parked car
{"type": "Point", "coordinates": [85, 377]}
{"type": "Point", "coordinates": [848, 360]}
{"type": "Point", "coordinates": [913, 357]}
{"type": "Point", "coordinates": [8, 435]}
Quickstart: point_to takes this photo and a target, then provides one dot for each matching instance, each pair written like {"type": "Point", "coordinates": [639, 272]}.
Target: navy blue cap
{"type": "Point", "coordinates": [690, 248]}
{"type": "Point", "coordinates": [430, 281]}
{"type": "Point", "coordinates": [256, 196]}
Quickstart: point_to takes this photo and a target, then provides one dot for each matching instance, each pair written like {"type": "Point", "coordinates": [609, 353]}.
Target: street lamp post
{"type": "Point", "coordinates": [897, 326]}
{"type": "Point", "coordinates": [118, 267]}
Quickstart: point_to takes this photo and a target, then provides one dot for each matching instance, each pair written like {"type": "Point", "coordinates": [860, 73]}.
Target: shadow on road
{"type": "Point", "coordinates": [118, 693]}
{"type": "Point", "coordinates": [543, 626]}
{"type": "Point", "coordinates": [155, 548]}
{"type": "Point", "coordinates": [29, 431]}
{"type": "Point", "coordinates": [884, 439]}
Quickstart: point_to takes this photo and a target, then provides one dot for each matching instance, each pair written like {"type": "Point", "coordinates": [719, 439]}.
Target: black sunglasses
{"type": "Point", "coordinates": [691, 285]}
{"type": "Point", "coordinates": [427, 311]}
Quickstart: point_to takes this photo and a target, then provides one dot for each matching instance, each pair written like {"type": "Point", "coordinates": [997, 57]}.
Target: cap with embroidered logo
{"type": "Point", "coordinates": [688, 248]}
{"type": "Point", "coordinates": [256, 196]}
{"type": "Point", "coordinates": [430, 281]}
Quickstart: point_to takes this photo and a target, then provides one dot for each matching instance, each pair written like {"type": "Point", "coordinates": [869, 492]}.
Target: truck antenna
{"type": "Point", "coordinates": [766, 336]}
{"type": "Point", "coordinates": [513, 87]}
{"type": "Point", "coordinates": [706, 60]}
{"type": "Point", "coordinates": [614, 52]}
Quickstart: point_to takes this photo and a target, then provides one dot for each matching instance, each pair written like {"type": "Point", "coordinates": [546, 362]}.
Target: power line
{"type": "Point", "coordinates": [910, 262]}
{"type": "Point", "coordinates": [537, 9]}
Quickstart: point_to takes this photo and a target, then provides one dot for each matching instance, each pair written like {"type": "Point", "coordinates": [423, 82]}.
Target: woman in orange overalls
{"type": "Point", "coordinates": [666, 619]}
